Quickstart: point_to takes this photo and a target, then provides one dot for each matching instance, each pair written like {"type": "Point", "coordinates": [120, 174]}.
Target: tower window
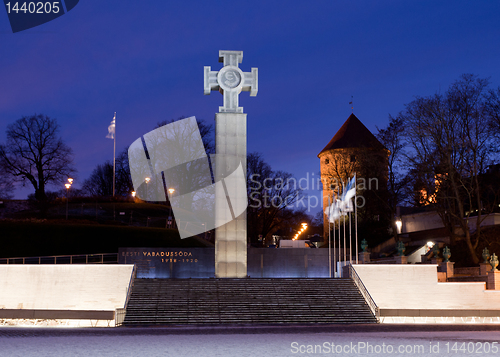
{"type": "Point", "coordinates": [327, 161]}
{"type": "Point", "coordinates": [353, 158]}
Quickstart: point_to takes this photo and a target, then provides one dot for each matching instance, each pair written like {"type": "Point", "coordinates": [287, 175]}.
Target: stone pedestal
{"type": "Point", "coordinates": [364, 257]}
{"type": "Point", "coordinates": [484, 268]}
{"type": "Point", "coordinates": [401, 260]}
{"type": "Point", "coordinates": [437, 261]}
{"type": "Point", "coordinates": [441, 277]}
{"type": "Point", "coordinates": [493, 282]}
{"type": "Point", "coordinates": [447, 268]}
{"type": "Point", "coordinates": [230, 238]}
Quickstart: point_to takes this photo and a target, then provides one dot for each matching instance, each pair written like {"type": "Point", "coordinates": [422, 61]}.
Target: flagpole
{"type": "Point", "coordinates": [114, 157]}
{"type": "Point", "coordinates": [356, 216]}
{"type": "Point", "coordinates": [350, 239]}
{"type": "Point", "coordinates": [340, 252]}
{"type": "Point", "coordinates": [334, 251]}
{"type": "Point", "coordinates": [329, 239]}
{"type": "Point", "coordinates": [343, 217]}
{"type": "Point", "coordinates": [350, 224]}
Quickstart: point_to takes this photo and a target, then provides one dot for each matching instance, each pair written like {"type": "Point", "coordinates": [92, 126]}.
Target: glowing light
{"type": "Point", "coordinates": [171, 190]}
{"type": "Point", "coordinates": [430, 244]}
{"type": "Point", "coordinates": [68, 185]}
{"type": "Point", "coordinates": [70, 180]}
{"type": "Point", "coordinates": [300, 231]}
{"type": "Point", "coordinates": [399, 225]}
{"type": "Point", "coordinates": [147, 179]}
{"type": "Point", "coordinates": [133, 193]}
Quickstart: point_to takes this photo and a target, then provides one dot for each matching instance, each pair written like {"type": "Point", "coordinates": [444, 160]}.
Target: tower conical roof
{"type": "Point", "coordinates": [353, 134]}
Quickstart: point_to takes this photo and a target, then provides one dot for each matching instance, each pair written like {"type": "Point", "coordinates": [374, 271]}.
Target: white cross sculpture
{"type": "Point", "coordinates": [231, 80]}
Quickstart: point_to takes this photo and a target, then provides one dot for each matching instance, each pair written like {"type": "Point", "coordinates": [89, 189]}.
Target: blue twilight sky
{"type": "Point", "coordinates": [144, 60]}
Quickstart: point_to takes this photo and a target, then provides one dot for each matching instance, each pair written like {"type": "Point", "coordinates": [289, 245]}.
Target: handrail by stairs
{"type": "Point", "coordinates": [120, 313]}
{"type": "Point", "coordinates": [366, 295]}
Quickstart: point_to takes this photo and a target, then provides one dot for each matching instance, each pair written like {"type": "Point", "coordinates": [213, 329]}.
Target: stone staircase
{"type": "Point", "coordinates": [246, 301]}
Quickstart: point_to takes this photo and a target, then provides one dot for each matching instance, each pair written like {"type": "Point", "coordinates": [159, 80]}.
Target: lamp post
{"type": "Point", "coordinates": [169, 219]}
{"type": "Point", "coordinates": [147, 179]}
{"type": "Point", "coordinates": [304, 227]}
{"type": "Point", "coordinates": [399, 225]}
{"type": "Point", "coordinates": [68, 185]}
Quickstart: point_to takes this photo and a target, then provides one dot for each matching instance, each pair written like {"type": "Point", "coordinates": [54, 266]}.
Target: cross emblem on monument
{"type": "Point", "coordinates": [230, 81]}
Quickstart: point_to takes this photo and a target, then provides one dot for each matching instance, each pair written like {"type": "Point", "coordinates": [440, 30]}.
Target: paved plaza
{"type": "Point", "coordinates": [265, 341]}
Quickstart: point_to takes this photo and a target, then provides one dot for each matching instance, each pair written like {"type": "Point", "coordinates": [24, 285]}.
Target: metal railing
{"type": "Point", "coordinates": [120, 316]}
{"type": "Point", "coordinates": [131, 284]}
{"type": "Point", "coordinates": [366, 295]}
{"type": "Point", "coordinates": [101, 258]}
{"type": "Point", "coordinates": [121, 313]}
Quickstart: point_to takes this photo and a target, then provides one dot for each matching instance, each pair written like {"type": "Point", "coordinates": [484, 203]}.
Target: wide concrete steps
{"type": "Point", "coordinates": [246, 301]}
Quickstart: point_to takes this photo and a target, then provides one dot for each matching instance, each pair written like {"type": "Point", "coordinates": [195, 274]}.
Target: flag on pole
{"type": "Point", "coordinates": [347, 195]}
{"type": "Point", "coordinates": [333, 211]}
{"type": "Point", "coordinates": [111, 129]}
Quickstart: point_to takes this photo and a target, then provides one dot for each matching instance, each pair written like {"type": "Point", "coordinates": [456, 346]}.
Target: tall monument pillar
{"type": "Point", "coordinates": [231, 152]}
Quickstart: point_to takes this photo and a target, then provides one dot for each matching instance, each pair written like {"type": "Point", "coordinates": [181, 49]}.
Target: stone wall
{"type": "Point", "coordinates": [416, 287]}
{"type": "Point", "coordinates": [64, 287]}
{"type": "Point", "coordinates": [288, 263]}
{"type": "Point", "coordinates": [178, 263]}
{"type": "Point", "coordinates": [186, 263]}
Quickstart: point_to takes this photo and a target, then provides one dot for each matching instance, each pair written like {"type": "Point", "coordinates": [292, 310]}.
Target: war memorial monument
{"type": "Point", "coordinates": [230, 284]}
{"type": "Point", "coordinates": [231, 151]}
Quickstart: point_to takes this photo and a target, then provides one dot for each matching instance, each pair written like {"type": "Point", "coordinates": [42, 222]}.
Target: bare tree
{"type": "Point", "coordinates": [206, 132]}
{"type": "Point", "coordinates": [493, 110]}
{"type": "Point", "coordinates": [271, 195]}
{"type": "Point", "coordinates": [100, 181]}
{"type": "Point", "coordinates": [392, 137]}
{"type": "Point", "coordinates": [35, 151]}
{"type": "Point", "coordinates": [6, 187]}
{"type": "Point", "coordinates": [451, 147]}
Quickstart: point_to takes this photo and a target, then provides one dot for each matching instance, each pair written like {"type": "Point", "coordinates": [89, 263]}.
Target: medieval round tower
{"type": "Point", "coordinates": [354, 150]}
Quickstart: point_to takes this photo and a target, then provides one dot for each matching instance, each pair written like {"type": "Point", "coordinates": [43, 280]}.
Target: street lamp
{"type": "Point", "coordinates": [169, 220]}
{"type": "Point", "coordinates": [300, 231]}
{"type": "Point", "coordinates": [399, 225]}
{"type": "Point", "coordinates": [147, 179]}
{"type": "Point", "coordinates": [68, 185]}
